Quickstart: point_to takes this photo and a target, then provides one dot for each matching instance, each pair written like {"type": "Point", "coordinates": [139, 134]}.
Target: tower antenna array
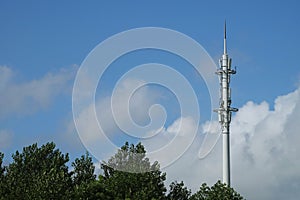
{"type": "Point", "coordinates": [225, 111]}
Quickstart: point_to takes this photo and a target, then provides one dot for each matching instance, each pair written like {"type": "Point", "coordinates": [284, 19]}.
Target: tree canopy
{"type": "Point", "coordinates": [43, 173]}
{"type": "Point", "coordinates": [178, 191]}
{"type": "Point", "coordinates": [147, 181]}
{"type": "Point", "coordinates": [38, 173]}
{"type": "Point", "coordinates": [218, 191]}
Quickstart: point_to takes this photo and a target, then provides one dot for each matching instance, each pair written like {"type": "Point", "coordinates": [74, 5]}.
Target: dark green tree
{"type": "Point", "coordinates": [178, 191]}
{"type": "Point", "coordinates": [218, 191]}
{"type": "Point", "coordinates": [96, 190]}
{"type": "Point", "coordinates": [42, 173]}
{"type": "Point", "coordinates": [2, 169]}
{"type": "Point", "coordinates": [83, 177]}
{"type": "Point", "coordinates": [38, 173]}
{"type": "Point", "coordinates": [129, 175]}
{"type": "Point", "coordinates": [84, 170]}
{"type": "Point", "coordinates": [2, 177]}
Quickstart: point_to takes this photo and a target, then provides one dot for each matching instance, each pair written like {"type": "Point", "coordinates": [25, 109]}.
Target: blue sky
{"type": "Point", "coordinates": [38, 36]}
{"type": "Point", "coordinates": [43, 43]}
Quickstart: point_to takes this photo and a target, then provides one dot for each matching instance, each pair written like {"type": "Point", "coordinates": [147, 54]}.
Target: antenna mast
{"type": "Point", "coordinates": [225, 111]}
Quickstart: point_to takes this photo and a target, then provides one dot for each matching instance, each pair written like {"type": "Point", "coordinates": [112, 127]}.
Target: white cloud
{"type": "Point", "coordinates": [264, 144]}
{"type": "Point", "coordinates": [171, 142]}
{"type": "Point", "coordinates": [26, 97]}
{"type": "Point", "coordinates": [267, 150]}
{"type": "Point", "coordinates": [264, 152]}
{"type": "Point", "coordinates": [87, 120]}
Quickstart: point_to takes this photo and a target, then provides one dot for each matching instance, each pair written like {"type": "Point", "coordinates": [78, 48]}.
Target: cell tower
{"type": "Point", "coordinates": [225, 111]}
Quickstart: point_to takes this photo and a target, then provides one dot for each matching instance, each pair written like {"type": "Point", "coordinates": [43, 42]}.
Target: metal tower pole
{"type": "Point", "coordinates": [225, 111]}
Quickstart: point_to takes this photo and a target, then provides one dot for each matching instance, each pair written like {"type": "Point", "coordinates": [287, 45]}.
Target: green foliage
{"type": "Point", "coordinates": [38, 173]}
{"type": "Point", "coordinates": [42, 173]}
{"type": "Point", "coordinates": [83, 177]}
{"type": "Point", "coordinates": [2, 180]}
{"type": "Point", "coordinates": [96, 190]}
{"type": "Point", "coordinates": [1, 167]}
{"type": "Point", "coordinates": [130, 159]}
{"type": "Point", "coordinates": [218, 191]}
{"type": "Point", "coordinates": [147, 181]}
{"type": "Point", "coordinates": [178, 191]}
{"type": "Point", "coordinates": [84, 170]}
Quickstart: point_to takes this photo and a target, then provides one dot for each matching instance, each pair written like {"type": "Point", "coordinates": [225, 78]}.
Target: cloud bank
{"type": "Point", "coordinates": [264, 144]}
{"type": "Point", "coordinates": [264, 152]}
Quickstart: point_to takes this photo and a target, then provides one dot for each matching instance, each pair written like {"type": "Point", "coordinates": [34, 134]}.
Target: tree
{"type": "Point", "coordinates": [96, 190]}
{"type": "Point", "coordinates": [178, 191]}
{"type": "Point", "coordinates": [42, 173]}
{"type": "Point", "coordinates": [38, 173]}
{"type": "Point", "coordinates": [218, 191]}
{"type": "Point", "coordinates": [2, 169]}
{"type": "Point", "coordinates": [129, 175]}
{"type": "Point", "coordinates": [83, 177]}
{"type": "Point", "coordinates": [84, 170]}
{"type": "Point", "coordinates": [2, 177]}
